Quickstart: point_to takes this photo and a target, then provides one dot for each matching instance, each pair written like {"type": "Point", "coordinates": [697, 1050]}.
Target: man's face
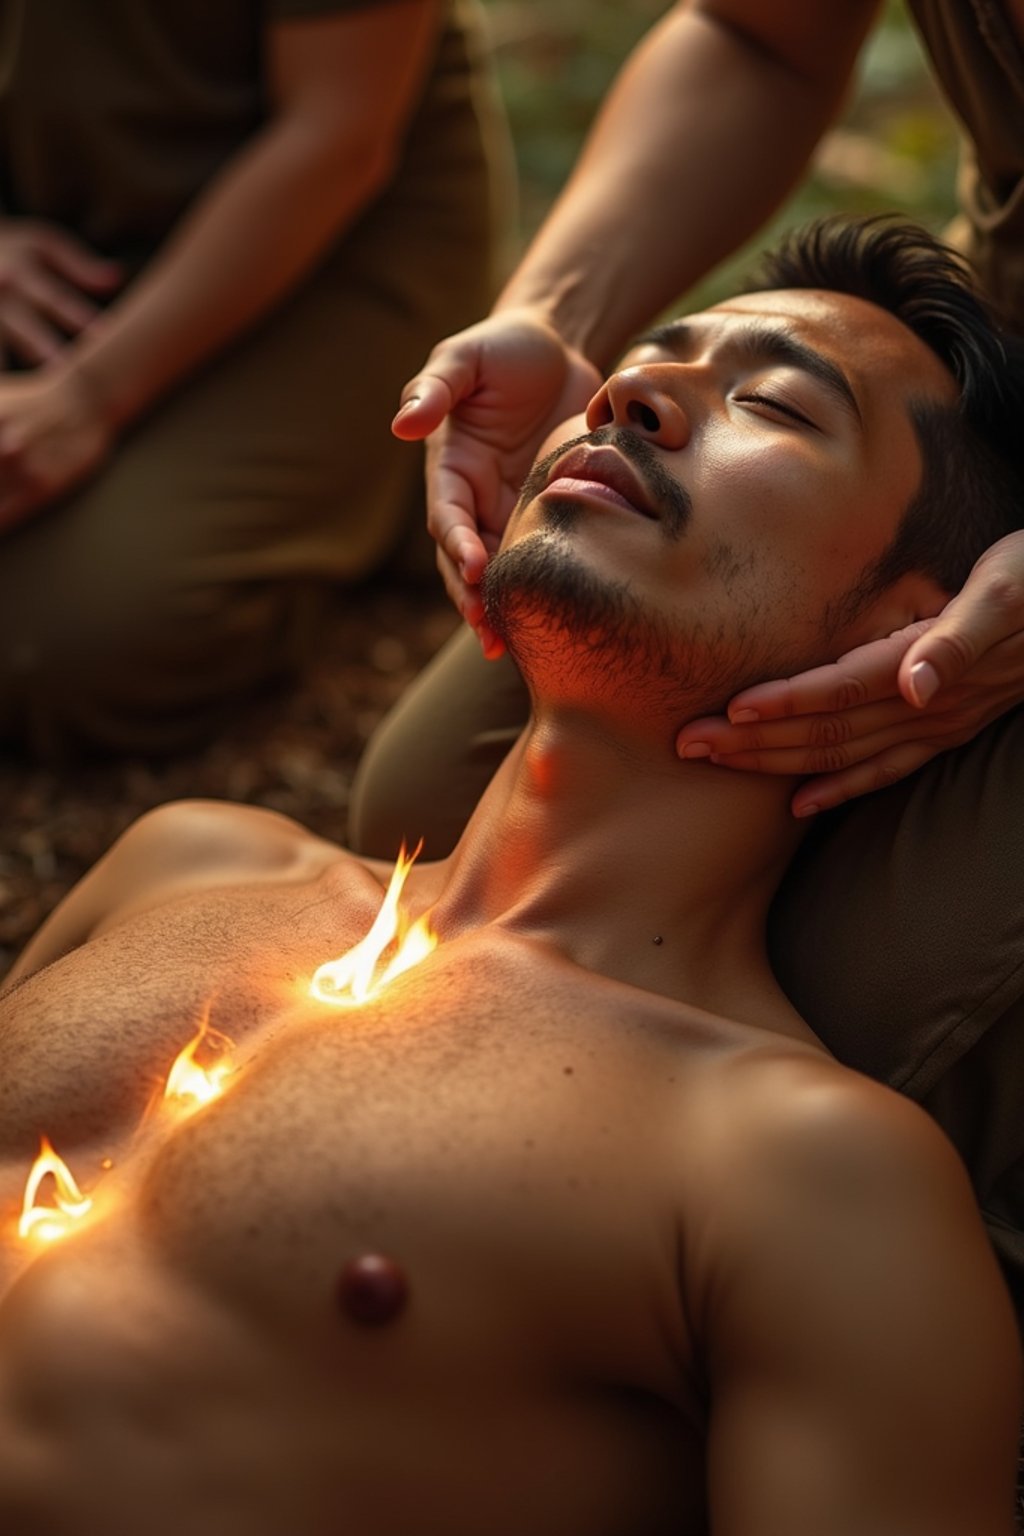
{"type": "Point", "coordinates": [702, 526]}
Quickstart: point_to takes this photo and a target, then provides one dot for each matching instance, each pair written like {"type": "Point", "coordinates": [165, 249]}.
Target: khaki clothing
{"type": "Point", "coordinates": [979, 63]}
{"type": "Point", "coordinates": [197, 564]}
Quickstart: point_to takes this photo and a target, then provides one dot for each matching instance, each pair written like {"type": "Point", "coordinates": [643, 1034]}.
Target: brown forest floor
{"type": "Point", "coordinates": [295, 753]}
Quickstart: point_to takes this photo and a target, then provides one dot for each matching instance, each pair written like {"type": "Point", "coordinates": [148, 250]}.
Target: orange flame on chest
{"type": "Point", "coordinates": [46, 1223]}
{"type": "Point", "coordinates": [363, 971]}
{"type": "Point", "coordinates": [200, 1071]}
{"type": "Point", "coordinates": [194, 1082]}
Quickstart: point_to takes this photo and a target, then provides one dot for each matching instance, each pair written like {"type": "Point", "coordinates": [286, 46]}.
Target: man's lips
{"type": "Point", "coordinates": [604, 473]}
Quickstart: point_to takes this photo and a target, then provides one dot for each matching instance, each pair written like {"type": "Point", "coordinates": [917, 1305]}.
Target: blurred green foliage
{"type": "Point", "coordinates": [894, 147]}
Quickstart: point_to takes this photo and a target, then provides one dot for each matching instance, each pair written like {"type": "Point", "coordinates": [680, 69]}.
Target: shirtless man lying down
{"type": "Point", "coordinates": [574, 1228]}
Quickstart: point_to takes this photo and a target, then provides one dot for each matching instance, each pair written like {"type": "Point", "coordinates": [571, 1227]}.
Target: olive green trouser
{"type": "Point", "coordinates": [195, 568]}
{"type": "Point", "coordinates": [898, 933]}
{"type": "Point", "coordinates": [196, 565]}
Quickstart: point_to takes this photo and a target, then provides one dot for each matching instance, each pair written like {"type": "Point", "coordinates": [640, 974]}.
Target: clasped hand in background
{"type": "Point", "coordinates": [52, 434]}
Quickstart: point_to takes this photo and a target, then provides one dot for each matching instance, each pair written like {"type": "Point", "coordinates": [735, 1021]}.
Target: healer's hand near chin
{"type": "Point", "coordinates": [485, 400]}
{"type": "Point", "coordinates": [52, 436]}
{"type": "Point", "coordinates": [884, 709]}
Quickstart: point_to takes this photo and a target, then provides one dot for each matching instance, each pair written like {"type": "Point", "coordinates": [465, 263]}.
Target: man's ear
{"type": "Point", "coordinates": [915, 596]}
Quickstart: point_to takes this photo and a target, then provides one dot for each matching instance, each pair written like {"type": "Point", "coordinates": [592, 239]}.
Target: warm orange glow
{"type": "Point", "coordinates": [45, 1223]}
{"type": "Point", "coordinates": [191, 1081]}
{"type": "Point", "coordinates": [361, 973]}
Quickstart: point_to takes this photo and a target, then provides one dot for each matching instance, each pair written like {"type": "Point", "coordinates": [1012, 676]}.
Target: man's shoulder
{"type": "Point", "coordinates": [827, 1187]}
{"type": "Point", "coordinates": [189, 845]}
{"type": "Point", "coordinates": [179, 849]}
{"type": "Point", "coordinates": [805, 1131]}
{"type": "Point", "coordinates": [199, 836]}
{"type": "Point", "coordinates": [850, 1307]}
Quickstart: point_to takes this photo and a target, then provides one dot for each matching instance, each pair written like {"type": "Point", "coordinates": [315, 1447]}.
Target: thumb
{"type": "Point", "coordinates": [433, 394]}
{"type": "Point", "coordinates": [426, 403]}
{"type": "Point", "coordinates": [969, 626]}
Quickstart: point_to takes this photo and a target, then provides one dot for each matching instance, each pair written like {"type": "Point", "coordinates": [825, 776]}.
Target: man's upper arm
{"type": "Point", "coordinates": [863, 1357]}
{"type": "Point", "coordinates": [816, 42]}
{"type": "Point", "coordinates": [353, 77]}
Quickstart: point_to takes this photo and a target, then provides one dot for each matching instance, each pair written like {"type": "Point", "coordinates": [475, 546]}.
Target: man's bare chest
{"type": "Point", "coordinates": [491, 1113]}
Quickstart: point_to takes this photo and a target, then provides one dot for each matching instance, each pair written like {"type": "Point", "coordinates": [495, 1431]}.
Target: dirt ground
{"type": "Point", "coordinates": [296, 753]}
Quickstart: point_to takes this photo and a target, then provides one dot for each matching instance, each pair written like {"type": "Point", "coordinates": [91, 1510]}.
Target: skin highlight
{"type": "Point", "coordinates": [604, 1168]}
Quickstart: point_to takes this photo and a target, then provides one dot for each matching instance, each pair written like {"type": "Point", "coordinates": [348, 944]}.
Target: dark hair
{"type": "Point", "coordinates": [972, 487]}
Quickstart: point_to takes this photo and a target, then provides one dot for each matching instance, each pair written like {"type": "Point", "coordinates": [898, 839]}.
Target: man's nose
{"type": "Point", "coordinates": [644, 400]}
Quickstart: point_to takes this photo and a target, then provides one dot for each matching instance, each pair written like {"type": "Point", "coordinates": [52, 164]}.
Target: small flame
{"type": "Point", "coordinates": [46, 1223]}
{"type": "Point", "coordinates": [358, 975]}
{"type": "Point", "coordinates": [189, 1080]}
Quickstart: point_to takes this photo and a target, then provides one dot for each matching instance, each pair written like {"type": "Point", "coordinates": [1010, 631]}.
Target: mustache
{"type": "Point", "coordinates": [671, 501]}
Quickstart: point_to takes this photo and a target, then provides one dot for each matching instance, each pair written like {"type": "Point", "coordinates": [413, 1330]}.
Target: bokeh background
{"type": "Point", "coordinates": [894, 149]}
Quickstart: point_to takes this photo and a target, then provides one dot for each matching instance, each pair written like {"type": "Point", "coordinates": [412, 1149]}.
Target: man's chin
{"type": "Point", "coordinates": [540, 585]}
{"type": "Point", "coordinates": [573, 631]}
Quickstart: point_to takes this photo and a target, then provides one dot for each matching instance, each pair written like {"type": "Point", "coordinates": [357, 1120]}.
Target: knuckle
{"type": "Point", "coordinates": [830, 731]}
{"type": "Point", "coordinates": [955, 649]}
{"type": "Point", "coordinates": [887, 774]}
{"type": "Point", "coordinates": [1005, 593]}
{"type": "Point", "coordinates": [828, 760]}
{"type": "Point", "coordinates": [959, 731]}
{"type": "Point", "coordinates": [849, 693]}
{"type": "Point", "coordinates": [959, 720]}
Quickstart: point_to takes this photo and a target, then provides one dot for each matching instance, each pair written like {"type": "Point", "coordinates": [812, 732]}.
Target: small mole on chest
{"type": "Point", "coordinates": [372, 1289]}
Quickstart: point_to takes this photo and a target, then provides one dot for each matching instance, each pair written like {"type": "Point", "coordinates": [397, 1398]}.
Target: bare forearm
{"type": "Point", "coordinates": [698, 142]}
{"type": "Point", "coordinates": [248, 240]}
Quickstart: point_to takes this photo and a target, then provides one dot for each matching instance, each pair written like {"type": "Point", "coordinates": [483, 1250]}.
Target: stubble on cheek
{"type": "Point", "coordinates": [568, 627]}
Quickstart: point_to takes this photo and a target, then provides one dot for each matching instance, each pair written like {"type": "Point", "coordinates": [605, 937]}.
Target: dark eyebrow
{"type": "Point", "coordinates": [762, 342]}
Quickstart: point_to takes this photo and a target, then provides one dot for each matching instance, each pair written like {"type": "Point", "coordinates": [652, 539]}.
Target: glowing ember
{"type": "Point", "coordinates": [189, 1080]}
{"type": "Point", "coordinates": [361, 973]}
{"type": "Point", "coordinates": [46, 1223]}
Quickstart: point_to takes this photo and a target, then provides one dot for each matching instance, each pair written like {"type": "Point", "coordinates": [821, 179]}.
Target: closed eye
{"type": "Point", "coordinates": [778, 405]}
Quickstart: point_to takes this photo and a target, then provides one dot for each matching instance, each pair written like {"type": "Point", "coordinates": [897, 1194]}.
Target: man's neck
{"type": "Point", "coordinates": [632, 864]}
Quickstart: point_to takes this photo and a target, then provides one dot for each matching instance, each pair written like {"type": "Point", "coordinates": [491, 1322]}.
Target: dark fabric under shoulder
{"type": "Point", "coordinates": [899, 935]}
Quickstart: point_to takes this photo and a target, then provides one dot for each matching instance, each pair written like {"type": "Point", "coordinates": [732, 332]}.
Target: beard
{"type": "Point", "coordinates": [577, 633]}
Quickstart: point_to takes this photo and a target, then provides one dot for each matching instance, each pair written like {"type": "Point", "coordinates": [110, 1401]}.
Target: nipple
{"type": "Point", "coordinates": [372, 1289]}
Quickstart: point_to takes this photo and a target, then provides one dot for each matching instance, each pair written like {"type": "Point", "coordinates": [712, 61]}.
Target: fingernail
{"type": "Point", "coordinates": [924, 681]}
{"type": "Point", "coordinates": [695, 749]}
{"type": "Point", "coordinates": [806, 810]}
{"type": "Point", "coordinates": [743, 716]}
{"type": "Point", "coordinates": [404, 410]}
